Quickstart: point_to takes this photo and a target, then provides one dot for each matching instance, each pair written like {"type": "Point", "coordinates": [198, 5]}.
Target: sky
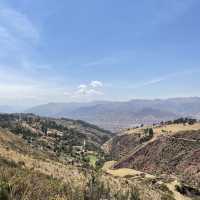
{"type": "Point", "coordinates": [68, 51]}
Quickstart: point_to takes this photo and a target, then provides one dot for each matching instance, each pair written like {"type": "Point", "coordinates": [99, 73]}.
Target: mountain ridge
{"type": "Point", "coordinates": [113, 115]}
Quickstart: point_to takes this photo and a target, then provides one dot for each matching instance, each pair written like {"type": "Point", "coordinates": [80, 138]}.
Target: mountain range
{"type": "Point", "coordinates": [116, 115]}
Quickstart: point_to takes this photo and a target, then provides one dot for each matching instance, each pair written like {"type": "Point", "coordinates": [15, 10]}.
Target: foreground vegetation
{"type": "Point", "coordinates": [17, 183]}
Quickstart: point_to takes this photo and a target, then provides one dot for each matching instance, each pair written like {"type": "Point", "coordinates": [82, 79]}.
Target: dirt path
{"type": "Point", "coordinates": [123, 172]}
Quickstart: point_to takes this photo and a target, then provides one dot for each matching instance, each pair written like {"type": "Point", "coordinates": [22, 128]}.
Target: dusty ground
{"type": "Point", "coordinates": [123, 172]}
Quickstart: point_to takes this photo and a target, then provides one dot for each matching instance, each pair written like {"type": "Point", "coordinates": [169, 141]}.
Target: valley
{"type": "Point", "coordinates": [99, 100]}
{"type": "Point", "coordinates": [148, 162]}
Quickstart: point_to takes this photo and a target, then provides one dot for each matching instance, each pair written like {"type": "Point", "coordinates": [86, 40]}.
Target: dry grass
{"type": "Point", "coordinates": [31, 174]}
{"type": "Point", "coordinates": [146, 190]}
{"type": "Point", "coordinates": [138, 175]}
{"type": "Point", "coordinates": [22, 153]}
{"type": "Point", "coordinates": [162, 129]}
{"type": "Point", "coordinates": [47, 167]}
{"type": "Point", "coordinates": [123, 172]}
{"type": "Point", "coordinates": [31, 185]}
{"type": "Point", "coordinates": [17, 183]}
{"type": "Point", "coordinates": [174, 128]}
{"type": "Point", "coordinates": [177, 195]}
{"type": "Point", "coordinates": [40, 177]}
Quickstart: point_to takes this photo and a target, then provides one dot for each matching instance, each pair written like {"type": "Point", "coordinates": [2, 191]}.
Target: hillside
{"type": "Point", "coordinates": [65, 157]}
{"type": "Point", "coordinates": [116, 115]}
{"type": "Point", "coordinates": [30, 170]}
{"type": "Point", "coordinates": [69, 140]}
{"type": "Point", "coordinates": [25, 170]}
{"type": "Point", "coordinates": [122, 144]}
{"type": "Point", "coordinates": [174, 149]}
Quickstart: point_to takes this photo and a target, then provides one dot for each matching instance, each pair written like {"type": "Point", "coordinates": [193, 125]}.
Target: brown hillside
{"type": "Point", "coordinates": [122, 144]}
{"type": "Point", "coordinates": [27, 173]}
{"type": "Point", "coordinates": [178, 154]}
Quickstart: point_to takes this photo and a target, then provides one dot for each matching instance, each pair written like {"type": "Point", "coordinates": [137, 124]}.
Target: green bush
{"type": "Point", "coordinates": [4, 191]}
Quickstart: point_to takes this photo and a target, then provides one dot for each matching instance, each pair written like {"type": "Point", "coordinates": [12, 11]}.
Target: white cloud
{"type": "Point", "coordinates": [94, 88]}
{"type": "Point", "coordinates": [82, 86]}
{"type": "Point", "coordinates": [96, 84]}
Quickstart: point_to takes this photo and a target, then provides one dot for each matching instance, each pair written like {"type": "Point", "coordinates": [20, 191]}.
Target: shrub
{"type": "Point", "coordinates": [4, 191]}
{"type": "Point", "coordinates": [96, 189]}
{"type": "Point", "coordinates": [134, 194]}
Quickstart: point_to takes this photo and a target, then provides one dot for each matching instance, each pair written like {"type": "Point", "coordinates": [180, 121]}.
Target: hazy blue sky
{"type": "Point", "coordinates": [84, 50]}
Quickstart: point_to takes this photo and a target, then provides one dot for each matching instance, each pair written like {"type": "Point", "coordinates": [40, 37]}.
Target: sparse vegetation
{"type": "Point", "coordinates": [96, 190]}
{"type": "Point", "coordinates": [182, 120]}
{"type": "Point", "coordinates": [17, 183]}
{"type": "Point", "coordinates": [52, 159]}
{"type": "Point", "coordinates": [67, 139]}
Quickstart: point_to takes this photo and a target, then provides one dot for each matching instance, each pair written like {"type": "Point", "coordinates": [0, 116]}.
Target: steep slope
{"type": "Point", "coordinates": [121, 145]}
{"type": "Point", "coordinates": [16, 149]}
{"type": "Point", "coordinates": [177, 154]}
{"type": "Point", "coordinates": [73, 142]}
